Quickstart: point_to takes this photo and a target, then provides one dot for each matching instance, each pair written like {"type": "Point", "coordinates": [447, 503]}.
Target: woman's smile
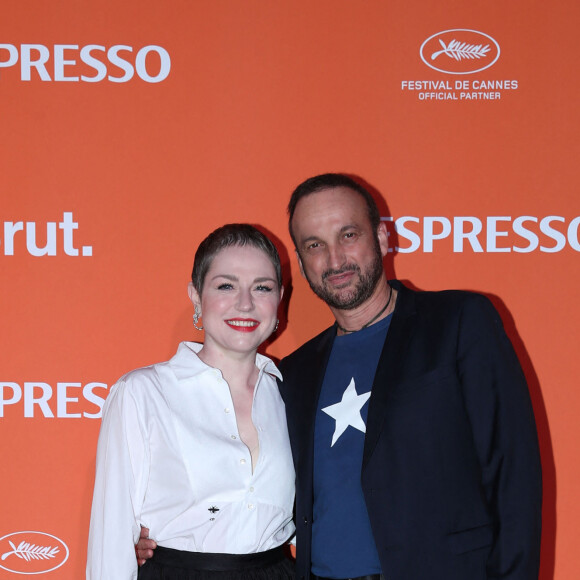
{"type": "Point", "coordinates": [243, 324]}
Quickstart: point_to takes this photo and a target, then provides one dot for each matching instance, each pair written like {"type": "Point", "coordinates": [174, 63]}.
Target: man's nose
{"type": "Point", "coordinates": [336, 257]}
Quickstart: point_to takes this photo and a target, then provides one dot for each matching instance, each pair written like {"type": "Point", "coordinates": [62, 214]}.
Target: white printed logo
{"type": "Point", "coordinates": [491, 234]}
{"type": "Point", "coordinates": [20, 237]}
{"type": "Point", "coordinates": [460, 51]}
{"type": "Point", "coordinates": [32, 552]}
{"type": "Point", "coordinates": [71, 62]}
{"type": "Point", "coordinates": [67, 400]}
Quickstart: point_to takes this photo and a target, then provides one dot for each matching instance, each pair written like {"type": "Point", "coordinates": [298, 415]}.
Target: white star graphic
{"type": "Point", "coordinates": [347, 412]}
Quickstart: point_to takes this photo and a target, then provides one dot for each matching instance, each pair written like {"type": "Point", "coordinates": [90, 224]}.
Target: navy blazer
{"type": "Point", "coordinates": [451, 471]}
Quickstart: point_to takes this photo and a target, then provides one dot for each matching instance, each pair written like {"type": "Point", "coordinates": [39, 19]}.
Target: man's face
{"type": "Point", "coordinates": [340, 254]}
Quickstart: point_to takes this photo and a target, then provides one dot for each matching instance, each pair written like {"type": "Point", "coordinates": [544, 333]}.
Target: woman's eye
{"type": "Point", "coordinates": [263, 288]}
{"type": "Point", "coordinates": [225, 286]}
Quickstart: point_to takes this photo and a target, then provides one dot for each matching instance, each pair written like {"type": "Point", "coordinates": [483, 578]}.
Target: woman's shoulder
{"type": "Point", "coordinates": [141, 387]}
{"type": "Point", "coordinates": [140, 377]}
{"type": "Point", "coordinates": [154, 374]}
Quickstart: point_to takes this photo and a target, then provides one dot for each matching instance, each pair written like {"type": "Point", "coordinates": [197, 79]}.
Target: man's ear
{"type": "Point", "coordinates": [300, 263]}
{"type": "Point", "coordinates": [194, 296]}
{"type": "Point", "coordinates": [383, 237]}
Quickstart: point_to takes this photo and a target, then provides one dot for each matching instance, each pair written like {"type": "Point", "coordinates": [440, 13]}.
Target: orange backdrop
{"type": "Point", "coordinates": [131, 129]}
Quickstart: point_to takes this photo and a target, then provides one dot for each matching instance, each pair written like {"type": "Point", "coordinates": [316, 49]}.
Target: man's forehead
{"type": "Point", "coordinates": [331, 195]}
{"type": "Point", "coordinates": [329, 213]}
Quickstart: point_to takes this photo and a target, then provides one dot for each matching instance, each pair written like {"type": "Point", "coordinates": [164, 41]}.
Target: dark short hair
{"type": "Point", "coordinates": [225, 237]}
{"type": "Point", "coordinates": [331, 181]}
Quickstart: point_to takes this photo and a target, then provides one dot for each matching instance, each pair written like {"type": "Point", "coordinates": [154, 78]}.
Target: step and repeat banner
{"type": "Point", "coordinates": [129, 130]}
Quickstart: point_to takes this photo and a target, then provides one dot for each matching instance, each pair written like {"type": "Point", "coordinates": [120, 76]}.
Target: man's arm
{"type": "Point", "coordinates": [500, 411]}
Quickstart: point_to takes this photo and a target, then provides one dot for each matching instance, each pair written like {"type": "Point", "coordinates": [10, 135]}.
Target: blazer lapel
{"type": "Point", "coordinates": [390, 365]}
{"type": "Point", "coordinates": [315, 365]}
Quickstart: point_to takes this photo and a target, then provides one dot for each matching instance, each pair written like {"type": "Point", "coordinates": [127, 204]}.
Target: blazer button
{"type": "Point", "coordinates": [305, 521]}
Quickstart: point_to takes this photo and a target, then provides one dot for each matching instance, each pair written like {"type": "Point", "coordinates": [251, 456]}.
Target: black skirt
{"type": "Point", "coordinates": [169, 564]}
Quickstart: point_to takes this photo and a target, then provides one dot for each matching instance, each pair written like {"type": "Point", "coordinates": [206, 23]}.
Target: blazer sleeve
{"type": "Point", "coordinates": [499, 407]}
{"type": "Point", "coordinates": [122, 461]}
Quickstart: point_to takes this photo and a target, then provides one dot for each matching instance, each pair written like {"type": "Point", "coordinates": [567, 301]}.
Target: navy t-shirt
{"type": "Point", "coordinates": [342, 541]}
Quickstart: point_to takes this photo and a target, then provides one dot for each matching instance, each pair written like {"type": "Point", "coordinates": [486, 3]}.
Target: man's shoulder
{"type": "Point", "coordinates": [441, 302]}
{"type": "Point", "coordinates": [452, 298]}
{"type": "Point", "coordinates": [436, 313]}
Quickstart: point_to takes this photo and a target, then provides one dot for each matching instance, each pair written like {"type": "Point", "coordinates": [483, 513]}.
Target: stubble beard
{"type": "Point", "coordinates": [363, 290]}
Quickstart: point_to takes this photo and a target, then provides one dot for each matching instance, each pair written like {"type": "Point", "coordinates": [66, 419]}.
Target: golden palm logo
{"type": "Point", "coordinates": [32, 552]}
{"type": "Point", "coordinates": [29, 552]}
{"type": "Point", "coordinates": [459, 51]}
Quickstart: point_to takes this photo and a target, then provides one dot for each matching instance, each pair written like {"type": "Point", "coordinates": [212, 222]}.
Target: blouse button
{"type": "Point", "coordinates": [242, 462]}
{"type": "Point", "coordinates": [251, 489]}
{"type": "Point", "coordinates": [233, 436]}
{"type": "Point", "coordinates": [226, 410]}
{"type": "Point", "coordinates": [250, 506]}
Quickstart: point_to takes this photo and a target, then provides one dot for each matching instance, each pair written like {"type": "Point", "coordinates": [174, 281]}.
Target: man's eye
{"type": "Point", "coordinates": [349, 235]}
{"type": "Point", "coordinates": [313, 246]}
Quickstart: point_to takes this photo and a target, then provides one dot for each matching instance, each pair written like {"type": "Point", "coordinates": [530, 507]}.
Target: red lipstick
{"type": "Point", "coordinates": [243, 324]}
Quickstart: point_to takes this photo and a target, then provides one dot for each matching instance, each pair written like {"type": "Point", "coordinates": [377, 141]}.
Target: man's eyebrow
{"type": "Point", "coordinates": [314, 237]}
{"type": "Point", "coordinates": [309, 239]}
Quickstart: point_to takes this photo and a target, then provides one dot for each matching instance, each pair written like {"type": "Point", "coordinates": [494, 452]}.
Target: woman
{"type": "Point", "coordinates": [196, 449]}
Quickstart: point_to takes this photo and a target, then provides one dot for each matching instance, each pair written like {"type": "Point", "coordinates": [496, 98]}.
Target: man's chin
{"type": "Point", "coordinates": [338, 287]}
{"type": "Point", "coordinates": [345, 296]}
{"type": "Point", "coordinates": [340, 301]}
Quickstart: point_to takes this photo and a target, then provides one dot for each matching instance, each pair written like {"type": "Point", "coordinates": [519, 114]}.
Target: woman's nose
{"type": "Point", "coordinates": [245, 301]}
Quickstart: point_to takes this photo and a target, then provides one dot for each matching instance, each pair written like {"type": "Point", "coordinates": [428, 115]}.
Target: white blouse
{"type": "Point", "coordinates": [170, 458]}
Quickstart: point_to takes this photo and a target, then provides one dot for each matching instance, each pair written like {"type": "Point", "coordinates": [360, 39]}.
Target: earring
{"type": "Point", "coordinates": [277, 323]}
{"type": "Point", "coordinates": [196, 316]}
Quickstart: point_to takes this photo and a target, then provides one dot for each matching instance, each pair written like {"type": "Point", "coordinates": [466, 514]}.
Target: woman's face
{"type": "Point", "coordinates": [239, 300]}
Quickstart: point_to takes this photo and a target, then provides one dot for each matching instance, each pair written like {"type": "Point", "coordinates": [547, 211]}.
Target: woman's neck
{"type": "Point", "coordinates": [238, 369]}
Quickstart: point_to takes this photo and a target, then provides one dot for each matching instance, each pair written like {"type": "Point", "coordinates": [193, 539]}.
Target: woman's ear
{"type": "Point", "coordinates": [194, 296]}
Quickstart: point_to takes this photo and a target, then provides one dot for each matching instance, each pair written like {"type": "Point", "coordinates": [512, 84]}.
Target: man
{"type": "Point", "coordinates": [410, 421]}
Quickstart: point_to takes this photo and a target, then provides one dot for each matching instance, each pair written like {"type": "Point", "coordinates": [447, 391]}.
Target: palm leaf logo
{"type": "Point", "coordinates": [28, 552]}
{"type": "Point", "coordinates": [461, 50]}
